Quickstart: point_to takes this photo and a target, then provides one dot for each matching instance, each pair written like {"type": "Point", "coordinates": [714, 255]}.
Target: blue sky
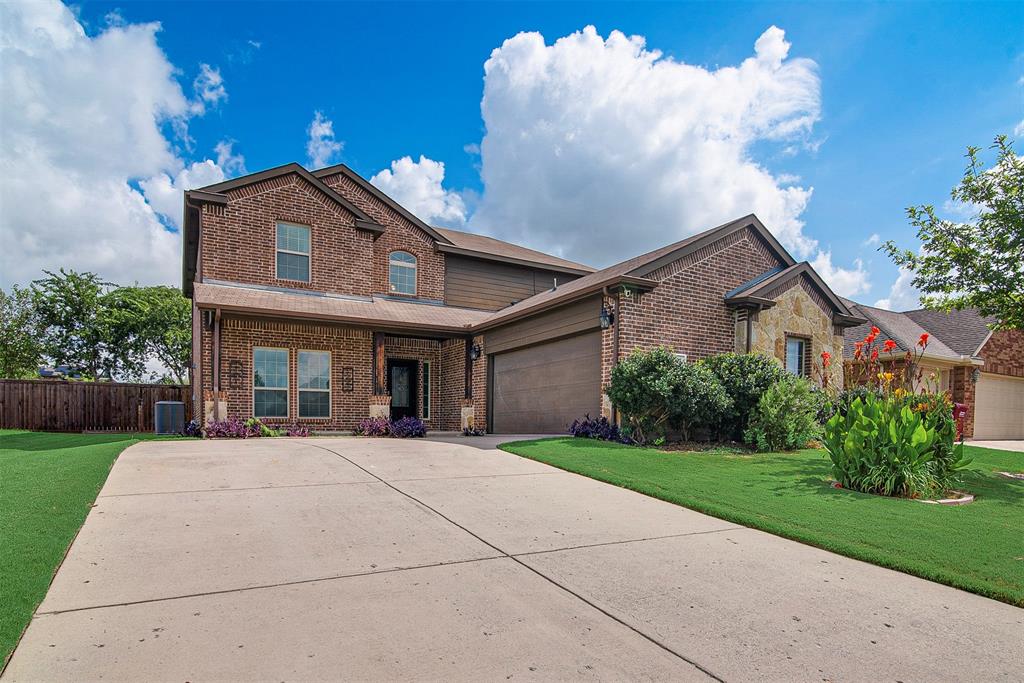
{"type": "Point", "coordinates": [903, 88]}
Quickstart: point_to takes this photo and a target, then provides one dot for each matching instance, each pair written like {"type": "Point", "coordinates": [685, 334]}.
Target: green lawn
{"type": "Point", "coordinates": [47, 484]}
{"type": "Point", "coordinates": [977, 547]}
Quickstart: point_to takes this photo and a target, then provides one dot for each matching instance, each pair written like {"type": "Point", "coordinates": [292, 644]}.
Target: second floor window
{"type": "Point", "coordinates": [292, 252]}
{"type": "Point", "coordinates": [401, 273]}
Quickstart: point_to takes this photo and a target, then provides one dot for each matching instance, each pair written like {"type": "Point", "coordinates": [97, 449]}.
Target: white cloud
{"type": "Point", "coordinates": [1018, 130]}
{"type": "Point", "coordinates": [321, 147]}
{"type": "Point", "coordinates": [417, 185]}
{"type": "Point", "coordinates": [601, 148]}
{"type": "Point", "coordinates": [165, 193]}
{"type": "Point", "coordinates": [209, 87]}
{"type": "Point", "coordinates": [873, 241]}
{"type": "Point", "coordinates": [902, 295]}
{"type": "Point", "coordinates": [83, 121]}
{"type": "Point", "coordinates": [232, 164]}
{"type": "Point", "coordinates": [848, 282]}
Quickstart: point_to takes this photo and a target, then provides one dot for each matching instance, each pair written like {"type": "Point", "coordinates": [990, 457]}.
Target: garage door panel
{"type": "Point", "coordinates": [999, 407]}
{"type": "Point", "coordinates": [544, 388]}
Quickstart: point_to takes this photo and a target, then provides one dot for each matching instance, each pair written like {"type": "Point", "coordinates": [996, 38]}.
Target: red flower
{"type": "Point", "coordinates": [889, 345]}
{"type": "Point", "coordinates": [874, 331]}
{"type": "Point", "coordinates": [923, 341]}
{"type": "Point", "coordinates": [826, 358]}
{"type": "Point", "coordinates": [874, 354]}
{"type": "Point", "coordinates": [870, 339]}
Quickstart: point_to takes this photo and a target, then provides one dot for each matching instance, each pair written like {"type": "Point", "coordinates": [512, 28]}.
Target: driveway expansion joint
{"type": "Point", "coordinates": [628, 541]}
{"type": "Point", "coordinates": [234, 488]}
{"type": "Point", "coordinates": [592, 605]}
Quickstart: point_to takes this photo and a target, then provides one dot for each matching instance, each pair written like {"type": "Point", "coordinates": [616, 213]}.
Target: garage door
{"type": "Point", "coordinates": [542, 389]}
{"type": "Point", "coordinates": [999, 407]}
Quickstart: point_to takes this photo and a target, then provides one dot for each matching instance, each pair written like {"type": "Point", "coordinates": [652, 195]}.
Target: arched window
{"type": "Point", "coordinates": [402, 273]}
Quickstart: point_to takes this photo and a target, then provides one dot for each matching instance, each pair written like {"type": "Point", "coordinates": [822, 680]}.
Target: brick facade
{"type": "Point", "coordinates": [240, 239]}
{"type": "Point", "coordinates": [1004, 353]}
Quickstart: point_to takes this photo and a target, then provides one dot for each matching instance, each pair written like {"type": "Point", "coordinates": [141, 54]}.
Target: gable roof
{"type": "Point", "coordinates": [635, 271]}
{"type": "Point", "coordinates": [756, 291]}
{"type": "Point", "coordinates": [963, 331]}
{"type": "Point", "coordinates": [900, 328]}
{"type": "Point", "coordinates": [482, 246]}
{"type": "Point", "coordinates": [377, 193]}
{"type": "Point", "coordinates": [363, 221]}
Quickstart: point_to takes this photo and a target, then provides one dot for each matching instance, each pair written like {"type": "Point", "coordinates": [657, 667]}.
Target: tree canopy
{"type": "Point", "coordinates": [978, 262]}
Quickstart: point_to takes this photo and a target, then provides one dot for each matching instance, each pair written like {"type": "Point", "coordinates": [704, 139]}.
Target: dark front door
{"type": "Point", "coordinates": [402, 381]}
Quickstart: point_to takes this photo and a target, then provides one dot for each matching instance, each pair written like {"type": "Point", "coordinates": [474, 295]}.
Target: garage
{"type": "Point", "coordinates": [543, 388]}
{"type": "Point", "coordinates": [999, 407]}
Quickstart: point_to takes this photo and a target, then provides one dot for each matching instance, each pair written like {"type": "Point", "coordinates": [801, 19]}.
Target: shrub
{"type": "Point", "coordinates": [408, 427]}
{"type": "Point", "coordinates": [294, 429]}
{"type": "Point", "coordinates": [744, 377]}
{"type": "Point", "coordinates": [193, 428]}
{"type": "Point", "coordinates": [232, 428]}
{"type": "Point", "coordinates": [698, 400]}
{"type": "Point", "coordinates": [641, 389]}
{"type": "Point", "coordinates": [261, 429]}
{"type": "Point", "coordinates": [786, 416]}
{"type": "Point", "coordinates": [473, 431]}
{"type": "Point", "coordinates": [599, 428]}
{"type": "Point", "coordinates": [373, 426]}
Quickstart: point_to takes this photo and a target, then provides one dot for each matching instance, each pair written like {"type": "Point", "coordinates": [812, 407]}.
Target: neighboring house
{"type": "Point", "coordinates": [319, 299]}
{"type": "Point", "coordinates": [980, 368]}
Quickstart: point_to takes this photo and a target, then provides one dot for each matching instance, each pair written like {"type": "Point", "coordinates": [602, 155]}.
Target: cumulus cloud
{"type": "Point", "coordinates": [902, 295]}
{"type": "Point", "coordinates": [209, 87]}
{"type": "Point", "coordinates": [873, 241]}
{"type": "Point", "coordinates": [417, 185]}
{"type": "Point", "coordinates": [847, 282]}
{"type": "Point", "coordinates": [598, 148]}
{"type": "Point", "coordinates": [321, 147]}
{"type": "Point", "coordinates": [83, 146]}
{"type": "Point", "coordinates": [231, 163]}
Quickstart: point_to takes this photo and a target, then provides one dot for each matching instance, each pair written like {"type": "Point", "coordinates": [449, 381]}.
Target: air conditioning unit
{"type": "Point", "coordinates": [169, 417]}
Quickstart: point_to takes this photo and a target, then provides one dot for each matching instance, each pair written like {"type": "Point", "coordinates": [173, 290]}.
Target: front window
{"type": "Point", "coordinates": [796, 356]}
{"type": "Point", "coordinates": [314, 384]}
{"type": "Point", "coordinates": [402, 272]}
{"type": "Point", "coordinates": [292, 252]}
{"type": "Point", "coordinates": [270, 382]}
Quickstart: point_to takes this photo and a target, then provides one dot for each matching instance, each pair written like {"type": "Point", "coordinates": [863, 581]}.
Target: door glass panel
{"type": "Point", "coordinates": [400, 387]}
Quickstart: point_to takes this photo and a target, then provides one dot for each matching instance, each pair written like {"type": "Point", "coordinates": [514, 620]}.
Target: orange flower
{"type": "Point", "coordinates": [923, 341]}
{"type": "Point", "coordinates": [889, 345]}
{"type": "Point", "coordinates": [826, 358]}
{"type": "Point", "coordinates": [874, 331]}
{"type": "Point", "coordinates": [874, 354]}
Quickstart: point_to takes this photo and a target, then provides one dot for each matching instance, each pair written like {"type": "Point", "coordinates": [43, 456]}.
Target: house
{"type": "Point", "coordinates": [979, 367]}
{"type": "Point", "coordinates": [319, 299]}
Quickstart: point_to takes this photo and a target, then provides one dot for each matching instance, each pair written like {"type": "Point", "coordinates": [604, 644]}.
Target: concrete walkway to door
{"type": "Point", "coordinates": [359, 559]}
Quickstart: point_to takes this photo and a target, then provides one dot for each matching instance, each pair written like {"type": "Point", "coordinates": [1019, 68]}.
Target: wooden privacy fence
{"type": "Point", "coordinates": [65, 406]}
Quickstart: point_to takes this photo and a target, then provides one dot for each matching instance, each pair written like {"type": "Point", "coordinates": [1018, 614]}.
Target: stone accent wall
{"type": "Point", "coordinates": [1004, 353]}
{"type": "Point", "coordinates": [401, 234]}
{"type": "Point", "coordinates": [686, 311]}
{"type": "Point", "coordinates": [797, 312]}
{"type": "Point", "coordinates": [239, 240]}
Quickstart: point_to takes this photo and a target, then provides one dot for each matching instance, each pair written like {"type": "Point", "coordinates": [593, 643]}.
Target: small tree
{"type": "Point", "coordinates": [153, 322]}
{"type": "Point", "coordinates": [73, 325]}
{"type": "Point", "coordinates": [20, 348]}
{"type": "Point", "coordinates": [977, 263]}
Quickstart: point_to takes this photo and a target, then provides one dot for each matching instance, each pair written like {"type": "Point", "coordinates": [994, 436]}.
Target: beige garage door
{"type": "Point", "coordinates": [542, 389]}
{"type": "Point", "coordinates": [999, 407]}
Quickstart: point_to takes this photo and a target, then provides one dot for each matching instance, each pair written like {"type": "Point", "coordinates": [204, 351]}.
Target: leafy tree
{"type": "Point", "coordinates": [74, 330]}
{"type": "Point", "coordinates": [21, 351]}
{"type": "Point", "coordinates": [153, 322]}
{"type": "Point", "coordinates": [979, 263]}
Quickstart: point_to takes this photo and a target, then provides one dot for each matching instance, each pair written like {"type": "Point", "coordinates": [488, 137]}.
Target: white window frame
{"type": "Point", "coordinates": [805, 371]}
{"type": "Point", "coordinates": [287, 382]}
{"type": "Point", "coordinates": [307, 254]}
{"type": "Point", "coordinates": [415, 266]}
{"type": "Point", "coordinates": [328, 390]}
{"type": "Point", "coordinates": [426, 405]}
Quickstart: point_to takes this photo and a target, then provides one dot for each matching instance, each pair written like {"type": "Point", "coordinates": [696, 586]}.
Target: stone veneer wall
{"type": "Point", "coordinates": [798, 312]}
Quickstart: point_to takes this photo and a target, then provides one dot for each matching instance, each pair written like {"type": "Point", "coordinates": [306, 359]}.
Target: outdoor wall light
{"type": "Point", "coordinates": [607, 318]}
{"type": "Point", "coordinates": [474, 352]}
{"type": "Point", "coordinates": [975, 375]}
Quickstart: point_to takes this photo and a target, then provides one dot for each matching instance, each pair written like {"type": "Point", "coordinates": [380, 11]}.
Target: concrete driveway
{"type": "Point", "coordinates": [1017, 446]}
{"type": "Point", "coordinates": [448, 559]}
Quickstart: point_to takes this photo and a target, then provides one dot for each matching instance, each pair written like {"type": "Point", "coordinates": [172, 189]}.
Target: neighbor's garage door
{"type": "Point", "coordinates": [999, 407]}
{"type": "Point", "coordinates": [542, 389]}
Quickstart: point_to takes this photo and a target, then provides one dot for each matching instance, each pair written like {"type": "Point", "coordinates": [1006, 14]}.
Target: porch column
{"type": "Point", "coordinates": [380, 400]}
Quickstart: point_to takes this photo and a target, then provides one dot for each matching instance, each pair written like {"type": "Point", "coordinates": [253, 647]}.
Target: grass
{"type": "Point", "coordinates": [977, 547]}
{"type": "Point", "coordinates": [48, 482]}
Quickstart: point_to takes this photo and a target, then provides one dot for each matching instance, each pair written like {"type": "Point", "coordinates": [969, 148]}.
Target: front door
{"type": "Point", "coordinates": [402, 381]}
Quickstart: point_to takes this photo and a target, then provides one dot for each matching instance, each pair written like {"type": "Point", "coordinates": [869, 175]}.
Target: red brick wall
{"type": "Point", "coordinates": [686, 311]}
{"type": "Point", "coordinates": [453, 382]}
{"type": "Point", "coordinates": [962, 389]}
{"type": "Point", "coordinates": [239, 241]}
{"type": "Point", "coordinates": [1004, 353]}
{"type": "Point", "coordinates": [422, 350]}
{"type": "Point", "coordinates": [349, 347]}
{"type": "Point", "coordinates": [400, 233]}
